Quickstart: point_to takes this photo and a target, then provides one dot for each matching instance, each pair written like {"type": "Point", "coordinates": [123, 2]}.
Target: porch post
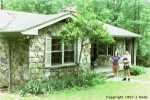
{"type": "Point", "coordinates": [124, 49]}
{"type": "Point", "coordinates": [10, 65]}
{"type": "Point", "coordinates": [135, 50]}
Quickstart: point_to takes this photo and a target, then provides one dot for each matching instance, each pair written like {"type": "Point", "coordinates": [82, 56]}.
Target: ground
{"type": "Point", "coordinates": [111, 89]}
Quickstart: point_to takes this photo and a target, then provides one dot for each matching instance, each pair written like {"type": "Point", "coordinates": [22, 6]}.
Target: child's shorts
{"type": "Point", "coordinates": [126, 67]}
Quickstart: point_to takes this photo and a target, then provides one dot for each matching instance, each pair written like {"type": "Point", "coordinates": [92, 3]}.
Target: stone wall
{"type": "Point", "coordinates": [4, 65]}
{"type": "Point", "coordinates": [19, 61]}
{"type": "Point", "coordinates": [59, 72]}
{"type": "Point", "coordinates": [36, 56]}
{"type": "Point", "coordinates": [86, 53]}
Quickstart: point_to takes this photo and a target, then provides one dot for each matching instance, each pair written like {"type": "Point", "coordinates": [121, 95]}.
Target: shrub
{"type": "Point", "coordinates": [137, 70]}
{"type": "Point", "coordinates": [83, 79]}
{"type": "Point", "coordinates": [32, 87]}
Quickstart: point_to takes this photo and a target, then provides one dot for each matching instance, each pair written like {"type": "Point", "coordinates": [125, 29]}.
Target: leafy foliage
{"type": "Point", "coordinates": [40, 6]}
{"type": "Point", "coordinates": [85, 28]}
{"type": "Point", "coordinates": [137, 70]}
{"type": "Point", "coordinates": [144, 54]}
{"type": "Point", "coordinates": [83, 79]}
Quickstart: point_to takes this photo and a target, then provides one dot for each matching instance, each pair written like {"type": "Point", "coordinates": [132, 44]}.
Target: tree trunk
{"type": "Point", "coordinates": [136, 17]}
{"type": "Point", "coordinates": [2, 4]}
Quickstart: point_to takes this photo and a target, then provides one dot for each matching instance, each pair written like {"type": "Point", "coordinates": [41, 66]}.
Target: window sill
{"type": "Point", "coordinates": [61, 65]}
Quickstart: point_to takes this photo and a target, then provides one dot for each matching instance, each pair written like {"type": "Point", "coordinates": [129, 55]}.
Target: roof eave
{"type": "Point", "coordinates": [34, 30]}
{"type": "Point", "coordinates": [138, 36]}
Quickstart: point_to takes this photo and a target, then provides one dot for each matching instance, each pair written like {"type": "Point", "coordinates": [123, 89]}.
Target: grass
{"type": "Point", "coordinates": [98, 92]}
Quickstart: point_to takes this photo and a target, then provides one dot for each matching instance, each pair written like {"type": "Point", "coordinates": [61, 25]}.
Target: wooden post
{"type": "Point", "coordinates": [135, 50]}
{"type": "Point", "coordinates": [10, 65]}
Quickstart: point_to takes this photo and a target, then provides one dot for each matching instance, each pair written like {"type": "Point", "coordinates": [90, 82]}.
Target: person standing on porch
{"type": "Point", "coordinates": [115, 64]}
{"type": "Point", "coordinates": [126, 65]}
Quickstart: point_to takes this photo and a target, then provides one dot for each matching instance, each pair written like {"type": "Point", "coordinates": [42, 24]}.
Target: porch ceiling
{"type": "Point", "coordinates": [119, 32]}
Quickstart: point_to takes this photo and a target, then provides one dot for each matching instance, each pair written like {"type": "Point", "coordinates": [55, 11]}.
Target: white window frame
{"type": "Point", "coordinates": [62, 50]}
{"type": "Point", "coordinates": [47, 51]}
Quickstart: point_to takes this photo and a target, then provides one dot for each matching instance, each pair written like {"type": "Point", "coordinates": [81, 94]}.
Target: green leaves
{"type": "Point", "coordinates": [85, 26]}
{"type": "Point", "coordinates": [82, 79]}
{"type": "Point", "coordinates": [137, 70]}
{"type": "Point", "coordinates": [40, 6]}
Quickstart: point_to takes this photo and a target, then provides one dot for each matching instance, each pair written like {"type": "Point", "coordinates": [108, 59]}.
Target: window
{"type": "Point", "coordinates": [56, 58]}
{"type": "Point", "coordinates": [110, 50]}
{"type": "Point", "coordinates": [56, 44]}
{"type": "Point", "coordinates": [68, 52]}
{"type": "Point", "coordinates": [58, 52]}
{"type": "Point", "coordinates": [104, 49]}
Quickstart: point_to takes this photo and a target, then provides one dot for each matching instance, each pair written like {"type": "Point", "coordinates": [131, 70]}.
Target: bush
{"type": "Point", "coordinates": [32, 86]}
{"type": "Point", "coordinates": [137, 70]}
{"type": "Point", "coordinates": [84, 78]}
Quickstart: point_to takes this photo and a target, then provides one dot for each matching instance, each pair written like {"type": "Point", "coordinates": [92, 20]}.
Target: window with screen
{"type": "Point", "coordinates": [102, 49]}
{"type": "Point", "coordinates": [58, 52]}
{"type": "Point", "coordinates": [69, 52]}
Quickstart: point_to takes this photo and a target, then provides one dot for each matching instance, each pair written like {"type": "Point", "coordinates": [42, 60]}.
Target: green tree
{"type": "Point", "coordinates": [85, 26]}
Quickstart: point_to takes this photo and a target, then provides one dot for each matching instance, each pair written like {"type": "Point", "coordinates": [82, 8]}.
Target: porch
{"type": "Point", "coordinates": [101, 53]}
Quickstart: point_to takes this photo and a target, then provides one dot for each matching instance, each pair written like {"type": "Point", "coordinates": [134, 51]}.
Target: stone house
{"type": "Point", "coordinates": [30, 46]}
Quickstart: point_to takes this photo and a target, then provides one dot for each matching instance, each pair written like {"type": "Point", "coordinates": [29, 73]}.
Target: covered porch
{"type": "Point", "coordinates": [101, 53]}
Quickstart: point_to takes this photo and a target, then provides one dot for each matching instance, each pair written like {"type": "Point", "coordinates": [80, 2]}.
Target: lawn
{"type": "Point", "coordinates": [99, 92]}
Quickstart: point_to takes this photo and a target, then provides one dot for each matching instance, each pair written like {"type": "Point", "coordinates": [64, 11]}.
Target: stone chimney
{"type": "Point", "coordinates": [71, 9]}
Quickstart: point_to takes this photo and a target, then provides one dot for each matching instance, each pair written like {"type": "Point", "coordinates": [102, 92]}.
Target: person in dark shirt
{"type": "Point", "coordinates": [115, 63]}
